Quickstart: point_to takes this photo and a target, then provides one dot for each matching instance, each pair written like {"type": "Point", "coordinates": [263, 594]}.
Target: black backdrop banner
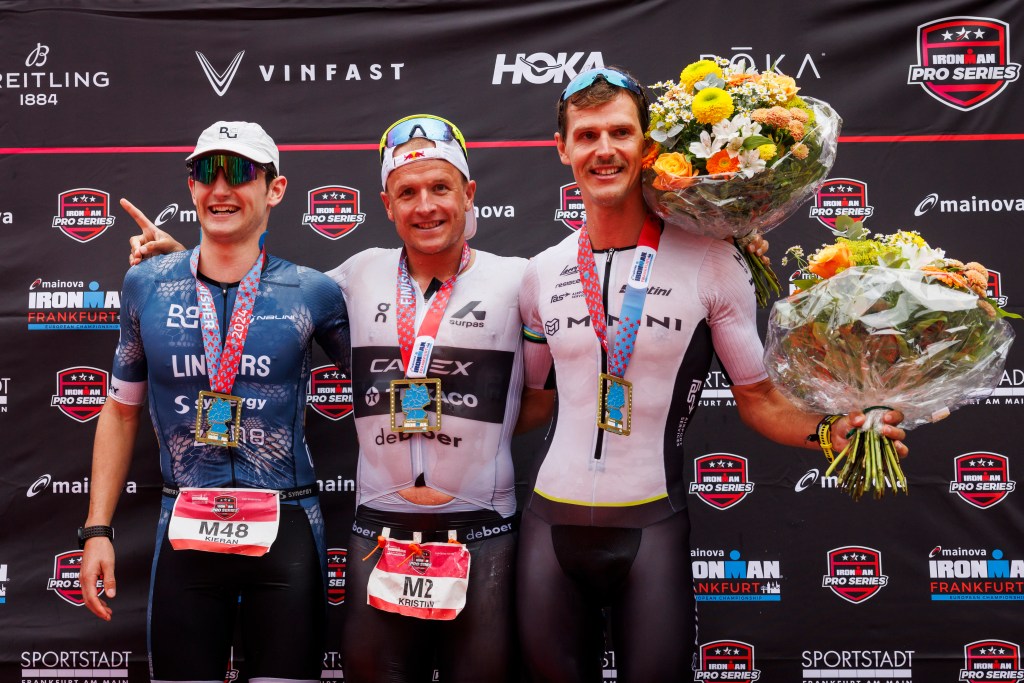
{"type": "Point", "coordinates": [795, 582]}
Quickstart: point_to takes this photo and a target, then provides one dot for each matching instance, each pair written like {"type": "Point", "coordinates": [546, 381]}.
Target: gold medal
{"type": "Point", "coordinates": [218, 419]}
{"type": "Point", "coordinates": [614, 404]}
{"type": "Point", "coordinates": [416, 405]}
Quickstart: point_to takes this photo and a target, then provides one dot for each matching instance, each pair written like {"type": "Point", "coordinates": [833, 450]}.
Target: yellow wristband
{"type": "Point", "coordinates": [824, 435]}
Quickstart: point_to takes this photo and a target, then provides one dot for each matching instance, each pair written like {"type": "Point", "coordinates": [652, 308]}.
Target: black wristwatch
{"type": "Point", "coordinates": [85, 533]}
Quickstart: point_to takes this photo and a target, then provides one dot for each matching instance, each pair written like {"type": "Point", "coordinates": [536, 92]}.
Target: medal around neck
{"type": "Point", "coordinates": [614, 404]}
{"type": "Point", "coordinates": [218, 419]}
{"type": "Point", "coordinates": [416, 405]}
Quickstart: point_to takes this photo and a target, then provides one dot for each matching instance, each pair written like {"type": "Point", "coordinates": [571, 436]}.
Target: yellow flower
{"type": "Point", "coordinates": [696, 72]}
{"type": "Point", "coordinates": [783, 84]}
{"type": "Point", "coordinates": [674, 170]}
{"type": "Point", "coordinates": [767, 151]}
{"type": "Point", "coordinates": [711, 105]}
{"type": "Point", "coordinates": [830, 260]}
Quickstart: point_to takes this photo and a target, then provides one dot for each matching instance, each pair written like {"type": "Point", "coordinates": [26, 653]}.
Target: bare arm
{"type": "Point", "coordinates": [152, 241]}
{"type": "Point", "coordinates": [112, 455]}
{"type": "Point", "coordinates": [535, 410]}
{"type": "Point", "coordinates": [765, 410]}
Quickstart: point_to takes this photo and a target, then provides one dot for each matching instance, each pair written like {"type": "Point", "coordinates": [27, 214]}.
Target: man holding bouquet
{"type": "Point", "coordinates": [607, 524]}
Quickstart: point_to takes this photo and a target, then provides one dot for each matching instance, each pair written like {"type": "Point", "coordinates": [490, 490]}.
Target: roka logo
{"type": "Point", "coordinates": [854, 573]}
{"type": "Point", "coordinates": [720, 479]}
{"type": "Point", "coordinates": [963, 62]}
{"type": "Point", "coordinates": [841, 197]}
{"type": "Point", "coordinates": [333, 211]}
{"type": "Point", "coordinates": [982, 479]}
{"type": "Point", "coordinates": [329, 392]}
{"type": "Point", "coordinates": [81, 392]}
{"type": "Point", "coordinates": [83, 213]}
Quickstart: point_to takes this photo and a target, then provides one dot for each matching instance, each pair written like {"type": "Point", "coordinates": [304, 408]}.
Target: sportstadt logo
{"type": "Point", "coordinates": [571, 211]}
{"type": "Point", "coordinates": [865, 665]}
{"type": "Point", "coordinates": [543, 67]}
{"type": "Point", "coordinates": [841, 197]}
{"type": "Point", "coordinates": [720, 479]}
{"type": "Point", "coordinates": [329, 392]}
{"type": "Point", "coordinates": [991, 660]}
{"type": "Point", "coordinates": [83, 214]}
{"type": "Point", "coordinates": [854, 573]}
{"type": "Point", "coordinates": [963, 62]}
{"type": "Point", "coordinates": [333, 211]}
{"type": "Point", "coordinates": [982, 479]}
{"type": "Point", "coordinates": [81, 392]}
{"type": "Point", "coordinates": [65, 580]}
{"type": "Point", "coordinates": [727, 660]}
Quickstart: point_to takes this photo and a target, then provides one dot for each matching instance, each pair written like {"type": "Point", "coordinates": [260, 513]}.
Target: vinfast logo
{"type": "Point", "coordinates": [982, 479]}
{"type": "Point", "coordinates": [841, 197]}
{"type": "Point", "coordinates": [720, 480]}
{"type": "Point", "coordinates": [972, 205]}
{"type": "Point", "coordinates": [333, 211]}
{"type": "Point", "coordinates": [571, 211]}
{"type": "Point", "coordinates": [220, 79]}
{"type": "Point", "coordinates": [717, 579]}
{"type": "Point", "coordinates": [83, 214]}
{"type": "Point", "coordinates": [336, 562]}
{"type": "Point", "coordinates": [329, 392]}
{"type": "Point", "coordinates": [854, 573]}
{"type": "Point", "coordinates": [974, 574]}
{"type": "Point", "coordinates": [963, 62]}
{"type": "Point", "coordinates": [727, 660]}
{"type": "Point", "coordinates": [991, 660]}
{"type": "Point", "coordinates": [544, 67]}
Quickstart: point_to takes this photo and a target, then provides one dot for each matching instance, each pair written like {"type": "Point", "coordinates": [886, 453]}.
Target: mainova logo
{"type": "Point", "coordinates": [982, 479]}
{"type": "Point", "coordinates": [720, 479]}
{"type": "Point", "coordinates": [727, 660]}
{"type": "Point", "coordinates": [972, 204]}
{"type": "Point", "coordinates": [841, 197]}
{"type": "Point", "coordinates": [963, 62]}
{"type": "Point", "coordinates": [543, 67]}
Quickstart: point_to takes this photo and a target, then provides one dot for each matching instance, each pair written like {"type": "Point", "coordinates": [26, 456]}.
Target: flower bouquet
{"type": "Point", "coordinates": [734, 152]}
{"type": "Point", "coordinates": [887, 323]}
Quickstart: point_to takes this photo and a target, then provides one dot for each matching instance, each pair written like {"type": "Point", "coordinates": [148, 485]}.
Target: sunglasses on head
{"type": "Point", "coordinates": [610, 76]}
{"type": "Point", "coordinates": [426, 126]}
{"type": "Point", "coordinates": [237, 170]}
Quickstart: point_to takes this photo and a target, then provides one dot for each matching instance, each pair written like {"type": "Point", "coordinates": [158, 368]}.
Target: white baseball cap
{"type": "Point", "coordinates": [240, 137]}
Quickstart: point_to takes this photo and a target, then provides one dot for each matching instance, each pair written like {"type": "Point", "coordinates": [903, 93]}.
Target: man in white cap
{"type": "Point", "coordinates": [219, 340]}
{"type": "Point", "coordinates": [437, 380]}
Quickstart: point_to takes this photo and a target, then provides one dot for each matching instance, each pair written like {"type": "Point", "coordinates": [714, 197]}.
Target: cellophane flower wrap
{"type": "Point", "coordinates": [885, 323]}
{"type": "Point", "coordinates": [733, 152]}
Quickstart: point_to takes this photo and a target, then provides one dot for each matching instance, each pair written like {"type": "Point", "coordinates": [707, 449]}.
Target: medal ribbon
{"type": "Point", "coordinates": [633, 301]}
{"type": "Point", "coordinates": [405, 315]}
{"type": "Point", "coordinates": [222, 362]}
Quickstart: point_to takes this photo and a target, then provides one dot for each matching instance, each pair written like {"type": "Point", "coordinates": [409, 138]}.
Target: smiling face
{"type": "Point", "coordinates": [604, 147]}
{"type": "Point", "coordinates": [235, 213]}
{"type": "Point", "coordinates": [428, 201]}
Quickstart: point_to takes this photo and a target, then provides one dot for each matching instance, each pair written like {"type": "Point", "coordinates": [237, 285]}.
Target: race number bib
{"type": "Point", "coordinates": [429, 584]}
{"type": "Point", "coordinates": [234, 521]}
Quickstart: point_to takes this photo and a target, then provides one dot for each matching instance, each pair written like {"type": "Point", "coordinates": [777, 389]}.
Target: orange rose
{"type": "Point", "coordinates": [830, 260]}
{"type": "Point", "coordinates": [674, 171]}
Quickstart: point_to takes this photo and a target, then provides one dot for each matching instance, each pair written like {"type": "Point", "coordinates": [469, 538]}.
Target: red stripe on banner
{"type": "Point", "coordinates": [495, 144]}
{"type": "Point", "coordinates": [248, 550]}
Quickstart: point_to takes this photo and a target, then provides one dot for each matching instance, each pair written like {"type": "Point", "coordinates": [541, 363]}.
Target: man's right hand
{"type": "Point", "coordinates": [98, 563]}
{"type": "Point", "coordinates": [152, 242]}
